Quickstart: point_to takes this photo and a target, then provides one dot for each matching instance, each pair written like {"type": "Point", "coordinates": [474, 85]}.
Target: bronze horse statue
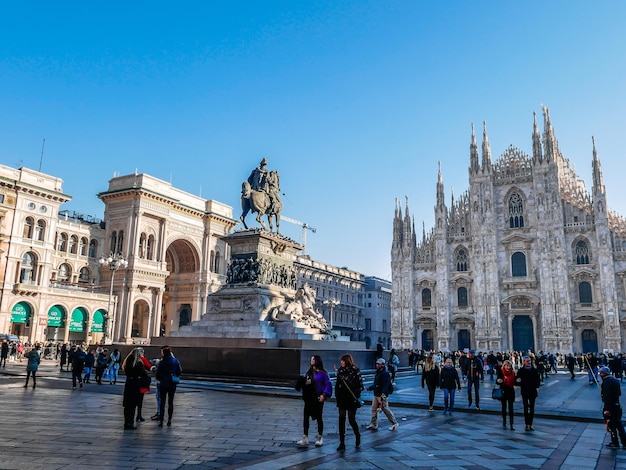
{"type": "Point", "coordinates": [260, 202]}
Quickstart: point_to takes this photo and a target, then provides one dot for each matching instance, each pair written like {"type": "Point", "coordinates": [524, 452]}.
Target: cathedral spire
{"type": "Point", "coordinates": [598, 179]}
{"type": "Point", "coordinates": [549, 139]}
{"type": "Point", "coordinates": [486, 164]}
{"type": "Point", "coordinates": [440, 196]}
{"type": "Point", "coordinates": [537, 152]}
{"type": "Point", "coordinates": [473, 153]}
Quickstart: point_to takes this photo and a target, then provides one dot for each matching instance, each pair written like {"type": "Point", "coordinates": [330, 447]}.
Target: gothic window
{"type": "Point", "coordinates": [93, 246]}
{"type": "Point", "coordinates": [62, 242]}
{"type": "Point", "coordinates": [426, 298]}
{"type": "Point", "coordinates": [64, 273]}
{"type": "Point", "coordinates": [461, 295]}
{"type": "Point", "coordinates": [40, 230]}
{"type": "Point", "coordinates": [212, 262]}
{"type": "Point", "coordinates": [82, 246]}
{"type": "Point", "coordinates": [84, 276]}
{"type": "Point", "coordinates": [518, 264]}
{"type": "Point", "coordinates": [28, 227]}
{"type": "Point", "coordinates": [516, 211]}
{"type": "Point", "coordinates": [584, 293]}
{"type": "Point", "coordinates": [461, 260]}
{"type": "Point", "coordinates": [73, 245]}
{"type": "Point", "coordinates": [582, 252]}
{"type": "Point", "coordinates": [28, 268]}
{"type": "Point", "coordinates": [216, 264]}
{"type": "Point", "coordinates": [120, 242]}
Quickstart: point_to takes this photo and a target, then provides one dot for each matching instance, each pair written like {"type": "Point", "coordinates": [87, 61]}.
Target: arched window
{"type": "Point", "coordinates": [62, 245]}
{"type": "Point", "coordinates": [113, 241]}
{"type": "Point", "coordinates": [82, 246]}
{"type": "Point", "coordinates": [84, 276]}
{"type": "Point", "coordinates": [216, 264]}
{"type": "Point", "coordinates": [461, 260]}
{"type": "Point", "coordinates": [40, 230]}
{"type": "Point", "coordinates": [582, 252]}
{"type": "Point", "coordinates": [142, 245]}
{"type": "Point", "coordinates": [120, 242]}
{"type": "Point", "coordinates": [28, 268]}
{"type": "Point", "coordinates": [64, 273]}
{"type": "Point", "coordinates": [93, 248]}
{"type": "Point", "coordinates": [516, 211]}
{"type": "Point", "coordinates": [584, 293]}
{"type": "Point", "coordinates": [212, 262]}
{"type": "Point", "coordinates": [426, 298]}
{"type": "Point", "coordinates": [150, 248]}
{"type": "Point", "coordinates": [73, 245]}
{"type": "Point", "coordinates": [518, 264]}
{"type": "Point", "coordinates": [28, 227]}
{"type": "Point", "coordinates": [461, 295]}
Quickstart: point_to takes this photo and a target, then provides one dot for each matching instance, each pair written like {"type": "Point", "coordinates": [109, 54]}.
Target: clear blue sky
{"type": "Point", "coordinates": [353, 102]}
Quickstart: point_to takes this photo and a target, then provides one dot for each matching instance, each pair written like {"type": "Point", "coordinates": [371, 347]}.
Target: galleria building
{"type": "Point", "coordinates": [526, 258]}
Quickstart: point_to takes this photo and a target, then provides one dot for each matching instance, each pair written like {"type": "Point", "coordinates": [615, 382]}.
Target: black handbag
{"type": "Point", "coordinates": [357, 403]}
{"type": "Point", "coordinates": [496, 393]}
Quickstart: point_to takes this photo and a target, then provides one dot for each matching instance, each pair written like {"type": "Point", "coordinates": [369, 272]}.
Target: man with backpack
{"type": "Point", "coordinates": [382, 388]}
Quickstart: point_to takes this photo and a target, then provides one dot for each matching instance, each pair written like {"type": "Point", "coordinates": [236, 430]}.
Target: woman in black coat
{"type": "Point", "coordinates": [529, 381]}
{"type": "Point", "coordinates": [506, 380]}
{"type": "Point", "coordinates": [347, 393]}
{"type": "Point", "coordinates": [430, 377]}
{"type": "Point", "coordinates": [136, 375]}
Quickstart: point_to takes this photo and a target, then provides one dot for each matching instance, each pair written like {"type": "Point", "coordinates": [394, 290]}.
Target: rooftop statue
{"type": "Point", "coordinates": [260, 194]}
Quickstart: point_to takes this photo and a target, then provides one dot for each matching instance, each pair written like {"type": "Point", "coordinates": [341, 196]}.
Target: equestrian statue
{"type": "Point", "coordinates": [260, 194]}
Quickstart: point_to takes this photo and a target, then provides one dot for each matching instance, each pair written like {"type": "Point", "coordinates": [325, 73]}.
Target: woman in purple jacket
{"type": "Point", "coordinates": [316, 389]}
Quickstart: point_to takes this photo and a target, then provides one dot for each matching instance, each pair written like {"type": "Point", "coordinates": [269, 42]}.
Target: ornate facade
{"type": "Point", "coordinates": [525, 258]}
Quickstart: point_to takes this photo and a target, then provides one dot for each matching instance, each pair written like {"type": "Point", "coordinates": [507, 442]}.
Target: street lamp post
{"type": "Point", "coordinates": [332, 303]}
{"type": "Point", "coordinates": [113, 262]}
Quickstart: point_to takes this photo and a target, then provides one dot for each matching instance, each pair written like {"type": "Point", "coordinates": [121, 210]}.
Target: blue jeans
{"type": "Point", "coordinates": [595, 375]}
{"type": "Point", "coordinates": [448, 399]}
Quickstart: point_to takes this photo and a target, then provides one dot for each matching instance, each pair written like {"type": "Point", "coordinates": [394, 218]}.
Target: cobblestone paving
{"type": "Point", "coordinates": [236, 427]}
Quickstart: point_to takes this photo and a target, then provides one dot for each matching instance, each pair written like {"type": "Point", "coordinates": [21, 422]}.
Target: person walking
{"type": "Point", "coordinates": [430, 377]}
{"type": "Point", "coordinates": [143, 389]}
{"type": "Point", "coordinates": [449, 382]}
{"type": "Point", "coordinates": [4, 353]}
{"type": "Point", "coordinates": [168, 374]}
{"type": "Point", "coordinates": [101, 362]}
{"type": "Point", "coordinates": [472, 371]}
{"type": "Point", "coordinates": [78, 362]}
{"type": "Point", "coordinates": [611, 408]}
{"type": "Point", "coordinates": [528, 381]}
{"type": "Point", "coordinates": [347, 392]}
{"type": "Point", "coordinates": [316, 389]}
{"type": "Point", "coordinates": [34, 358]}
{"type": "Point", "coordinates": [136, 376]}
{"type": "Point", "coordinates": [394, 363]}
{"type": "Point", "coordinates": [570, 362]}
{"type": "Point", "coordinates": [591, 364]}
{"type": "Point", "coordinates": [114, 365]}
{"type": "Point", "coordinates": [506, 381]}
{"type": "Point", "coordinates": [381, 388]}
{"type": "Point", "coordinates": [90, 360]}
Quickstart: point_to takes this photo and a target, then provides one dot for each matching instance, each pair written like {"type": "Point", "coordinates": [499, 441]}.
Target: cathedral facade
{"type": "Point", "coordinates": [526, 258]}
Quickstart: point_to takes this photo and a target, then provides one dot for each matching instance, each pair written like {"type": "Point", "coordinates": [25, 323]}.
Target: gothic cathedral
{"type": "Point", "coordinates": [526, 258]}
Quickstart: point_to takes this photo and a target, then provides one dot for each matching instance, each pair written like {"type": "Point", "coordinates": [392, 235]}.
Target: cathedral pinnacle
{"type": "Point", "coordinates": [486, 164]}
{"type": "Point", "coordinates": [473, 153]}
{"type": "Point", "coordinates": [537, 152]}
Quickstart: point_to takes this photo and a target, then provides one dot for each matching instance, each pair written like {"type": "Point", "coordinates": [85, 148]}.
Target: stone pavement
{"type": "Point", "coordinates": [237, 426]}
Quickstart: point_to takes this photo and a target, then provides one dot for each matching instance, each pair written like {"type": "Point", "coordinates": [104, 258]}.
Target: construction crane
{"type": "Point", "coordinates": [304, 226]}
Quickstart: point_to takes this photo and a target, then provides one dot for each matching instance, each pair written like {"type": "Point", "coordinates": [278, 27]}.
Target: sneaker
{"type": "Point", "coordinates": [431, 408]}
{"type": "Point", "coordinates": [477, 408]}
{"type": "Point", "coordinates": [319, 441]}
{"type": "Point", "coordinates": [371, 427]}
{"type": "Point", "coordinates": [394, 427]}
{"type": "Point", "coordinates": [304, 441]}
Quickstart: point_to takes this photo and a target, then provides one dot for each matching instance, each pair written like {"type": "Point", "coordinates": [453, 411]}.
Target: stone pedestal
{"type": "Point", "coordinates": [259, 300]}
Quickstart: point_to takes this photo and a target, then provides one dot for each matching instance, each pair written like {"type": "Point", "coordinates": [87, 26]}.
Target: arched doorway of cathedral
{"type": "Point", "coordinates": [464, 340]}
{"type": "Point", "coordinates": [428, 340]}
{"type": "Point", "coordinates": [523, 338]}
{"type": "Point", "coordinates": [589, 341]}
{"type": "Point", "coordinates": [181, 298]}
{"type": "Point", "coordinates": [141, 319]}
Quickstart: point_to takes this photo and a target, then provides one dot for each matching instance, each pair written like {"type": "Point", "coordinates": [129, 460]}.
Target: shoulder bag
{"type": "Point", "coordinates": [496, 393]}
{"type": "Point", "coordinates": [358, 403]}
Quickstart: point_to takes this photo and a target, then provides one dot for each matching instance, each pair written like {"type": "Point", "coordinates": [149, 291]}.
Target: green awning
{"type": "Point", "coordinates": [56, 315]}
{"type": "Point", "coordinates": [97, 326]}
{"type": "Point", "coordinates": [21, 312]}
{"type": "Point", "coordinates": [77, 322]}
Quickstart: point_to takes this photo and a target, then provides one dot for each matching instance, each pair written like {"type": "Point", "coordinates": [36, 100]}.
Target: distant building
{"type": "Point", "coordinates": [377, 312]}
{"type": "Point", "coordinates": [526, 258]}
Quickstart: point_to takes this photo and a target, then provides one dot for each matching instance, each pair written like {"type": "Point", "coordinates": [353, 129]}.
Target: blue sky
{"type": "Point", "coordinates": [353, 102]}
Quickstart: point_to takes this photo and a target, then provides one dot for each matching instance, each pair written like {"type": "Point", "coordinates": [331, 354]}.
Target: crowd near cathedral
{"type": "Point", "coordinates": [526, 258]}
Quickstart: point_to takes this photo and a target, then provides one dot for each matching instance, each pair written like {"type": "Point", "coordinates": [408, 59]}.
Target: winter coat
{"type": "Point", "coordinates": [168, 366]}
{"type": "Point", "coordinates": [449, 378]}
{"type": "Point", "coordinates": [33, 360]}
{"type": "Point", "coordinates": [349, 385]}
